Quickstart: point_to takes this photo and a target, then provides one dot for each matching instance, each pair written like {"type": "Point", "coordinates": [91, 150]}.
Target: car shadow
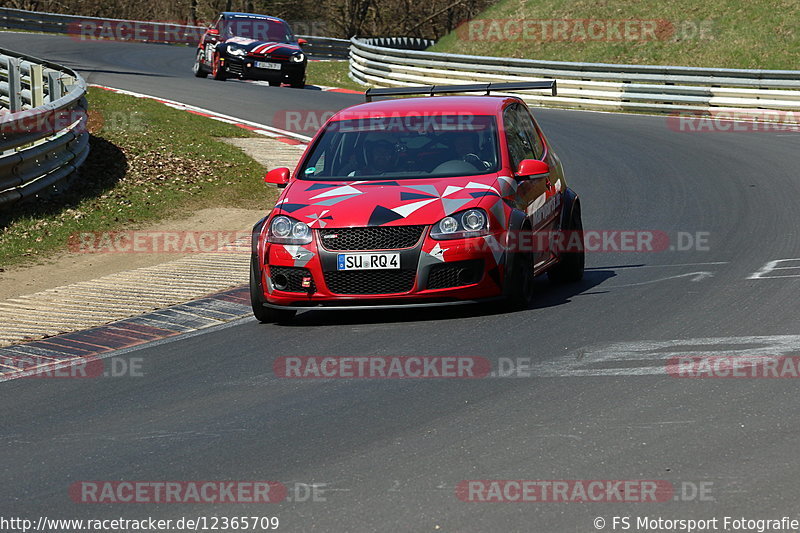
{"type": "Point", "coordinates": [550, 294]}
{"type": "Point", "coordinates": [547, 295]}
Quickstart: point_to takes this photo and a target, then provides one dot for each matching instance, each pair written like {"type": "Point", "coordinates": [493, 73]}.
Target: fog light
{"type": "Point", "coordinates": [280, 281]}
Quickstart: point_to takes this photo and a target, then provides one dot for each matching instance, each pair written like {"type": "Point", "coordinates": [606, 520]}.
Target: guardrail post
{"type": "Point", "coordinates": [14, 85]}
{"type": "Point", "coordinates": [55, 89]}
{"type": "Point", "coordinates": [37, 85]}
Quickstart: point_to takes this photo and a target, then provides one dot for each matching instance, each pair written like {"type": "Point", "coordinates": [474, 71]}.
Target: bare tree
{"type": "Point", "coordinates": [339, 18]}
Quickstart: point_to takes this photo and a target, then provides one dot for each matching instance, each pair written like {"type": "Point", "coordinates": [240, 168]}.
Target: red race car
{"type": "Point", "coordinates": [434, 200]}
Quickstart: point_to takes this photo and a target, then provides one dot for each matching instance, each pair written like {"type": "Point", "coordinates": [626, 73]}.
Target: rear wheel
{"type": "Point", "coordinates": [217, 70]}
{"type": "Point", "coordinates": [198, 69]}
{"type": "Point", "coordinates": [571, 264]}
{"type": "Point", "coordinates": [265, 315]}
{"type": "Point", "coordinates": [274, 84]}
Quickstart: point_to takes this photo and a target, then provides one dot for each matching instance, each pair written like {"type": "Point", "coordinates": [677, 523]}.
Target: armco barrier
{"type": "Point", "coordinates": [597, 86]}
{"type": "Point", "coordinates": [43, 136]}
{"type": "Point", "coordinates": [144, 31]}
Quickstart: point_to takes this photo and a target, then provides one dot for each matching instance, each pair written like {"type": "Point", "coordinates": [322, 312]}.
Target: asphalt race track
{"type": "Point", "coordinates": [388, 454]}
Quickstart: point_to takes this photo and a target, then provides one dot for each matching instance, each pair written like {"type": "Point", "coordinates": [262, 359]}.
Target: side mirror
{"type": "Point", "coordinates": [532, 168]}
{"type": "Point", "coordinates": [212, 32]}
{"type": "Point", "coordinates": [302, 42]}
{"type": "Point", "coordinates": [278, 176]}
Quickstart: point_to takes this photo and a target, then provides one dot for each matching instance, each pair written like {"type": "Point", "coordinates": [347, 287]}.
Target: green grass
{"type": "Point", "coordinates": [147, 162]}
{"type": "Point", "coordinates": [739, 33]}
{"type": "Point", "coordinates": [332, 74]}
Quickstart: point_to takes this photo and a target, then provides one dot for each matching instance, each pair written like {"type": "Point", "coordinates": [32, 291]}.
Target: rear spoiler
{"type": "Point", "coordinates": [430, 90]}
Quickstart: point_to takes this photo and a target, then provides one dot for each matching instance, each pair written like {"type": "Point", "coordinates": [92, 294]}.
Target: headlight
{"type": "Point", "coordinates": [236, 51]}
{"type": "Point", "coordinates": [298, 58]}
{"type": "Point", "coordinates": [469, 223]}
{"type": "Point", "coordinates": [448, 225]}
{"type": "Point", "coordinates": [286, 230]}
{"type": "Point", "coordinates": [473, 220]}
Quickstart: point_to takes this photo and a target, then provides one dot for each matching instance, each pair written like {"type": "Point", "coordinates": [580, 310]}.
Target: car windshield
{"type": "Point", "coordinates": [405, 147]}
{"type": "Point", "coordinates": [258, 29]}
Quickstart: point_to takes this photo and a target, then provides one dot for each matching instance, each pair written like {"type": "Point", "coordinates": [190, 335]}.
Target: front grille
{"type": "Point", "coordinates": [370, 281]}
{"type": "Point", "coordinates": [371, 238]}
{"type": "Point", "coordinates": [455, 274]}
{"type": "Point", "coordinates": [290, 279]}
{"type": "Point", "coordinates": [235, 68]}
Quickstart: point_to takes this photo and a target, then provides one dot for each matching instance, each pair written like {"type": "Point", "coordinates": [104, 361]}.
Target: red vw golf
{"type": "Point", "coordinates": [434, 200]}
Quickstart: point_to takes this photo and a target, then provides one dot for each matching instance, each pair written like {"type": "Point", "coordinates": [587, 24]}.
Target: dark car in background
{"type": "Point", "coordinates": [252, 47]}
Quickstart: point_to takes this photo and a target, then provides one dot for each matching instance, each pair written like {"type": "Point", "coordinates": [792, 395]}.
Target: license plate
{"type": "Point", "coordinates": [368, 262]}
{"type": "Point", "coordinates": [271, 66]}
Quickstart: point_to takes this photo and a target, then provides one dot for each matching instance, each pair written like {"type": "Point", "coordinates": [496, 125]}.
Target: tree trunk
{"type": "Point", "coordinates": [193, 13]}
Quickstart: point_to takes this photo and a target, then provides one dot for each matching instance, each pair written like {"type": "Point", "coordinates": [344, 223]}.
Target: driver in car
{"type": "Point", "coordinates": [466, 147]}
{"type": "Point", "coordinates": [380, 157]}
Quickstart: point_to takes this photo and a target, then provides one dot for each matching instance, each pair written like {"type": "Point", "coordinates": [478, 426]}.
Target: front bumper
{"type": "Point", "coordinates": [431, 273]}
{"type": "Point", "coordinates": [244, 68]}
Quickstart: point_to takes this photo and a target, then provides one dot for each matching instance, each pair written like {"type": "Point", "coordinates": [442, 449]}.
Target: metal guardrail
{"type": "Point", "coordinates": [93, 28]}
{"type": "Point", "coordinates": [43, 137]}
{"type": "Point", "coordinates": [599, 86]}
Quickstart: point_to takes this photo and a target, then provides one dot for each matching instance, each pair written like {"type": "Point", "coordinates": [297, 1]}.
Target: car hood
{"type": "Point", "coordinates": [342, 204]}
{"type": "Point", "coordinates": [272, 49]}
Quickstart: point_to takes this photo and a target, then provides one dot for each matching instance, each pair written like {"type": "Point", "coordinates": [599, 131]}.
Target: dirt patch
{"type": "Point", "coordinates": [269, 152]}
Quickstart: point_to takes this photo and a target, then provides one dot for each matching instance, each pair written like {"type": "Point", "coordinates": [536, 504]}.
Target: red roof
{"type": "Point", "coordinates": [434, 105]}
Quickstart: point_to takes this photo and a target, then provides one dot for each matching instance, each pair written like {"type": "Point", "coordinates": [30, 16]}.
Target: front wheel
{"type": "Point", "coordinates": [217, 70]}
{"type": "Point", "coordinates": [198, 69]}
{"type": "Point", "coordinates": [571, 264]}
{"type": "Point", "coordinates": [299, 83]}
{"type": "Point", "coordinates": [265, 315]}
{"type": "Point", "coordinates": [519, 288]}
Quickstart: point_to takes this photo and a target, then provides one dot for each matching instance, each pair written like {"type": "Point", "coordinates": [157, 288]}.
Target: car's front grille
{"type": "Point", "coordinates": [290, 279]}
{"type": "Point", "coordinates": [370, 281]}
{"type": "Point", "coordinates": [235, 68]}
{"type": "Point", "coordinates": [455, 274]}
{"type": "Point", "coordinates": [371, 238]}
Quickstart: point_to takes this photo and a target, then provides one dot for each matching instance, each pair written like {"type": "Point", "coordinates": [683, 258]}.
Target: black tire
{"type": "Point", "coordinates": [570, 266]}
{"type": "Point", "coordinates": [274, 84]}
{"type": "Point", "coordinates": [265, 315]}
{"type": "Point", "coordinates": [217, 70]}
{"type": "Point", "coordinates": [198, 68]}
{"type": "Point", "coordinates": [298, 84]}
{"type": "Point", "coordinates": [519, 288]}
